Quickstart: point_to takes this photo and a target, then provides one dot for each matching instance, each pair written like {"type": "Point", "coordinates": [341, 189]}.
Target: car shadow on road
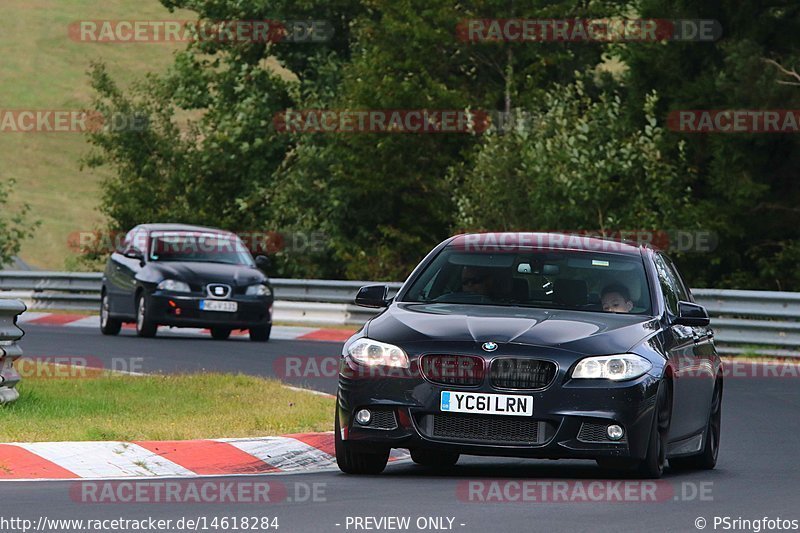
{"type": "Point", "coordinates": [475, 468]}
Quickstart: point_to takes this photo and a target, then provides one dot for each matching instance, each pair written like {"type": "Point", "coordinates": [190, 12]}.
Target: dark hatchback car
{"type": "Point", "coordinates": [186, 276]}
{"type": "Point", "coordinates": [533, 345]}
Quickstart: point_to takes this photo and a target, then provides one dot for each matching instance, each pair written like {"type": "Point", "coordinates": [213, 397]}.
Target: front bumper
{"type": "Point", "coordinates": [560, 411]}
{"type": "Point", "coordinates": [170, 309]}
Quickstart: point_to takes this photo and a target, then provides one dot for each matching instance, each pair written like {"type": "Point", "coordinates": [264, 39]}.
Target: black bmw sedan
{"type": "Point", "coordinates": [533, 345]}
{"type": "Point", "coordinates": [186, 276]}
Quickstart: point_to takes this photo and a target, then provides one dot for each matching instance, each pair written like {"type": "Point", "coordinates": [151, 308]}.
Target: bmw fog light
{"type": "Point", "coordinates": [615, 432]}
{"type": "Point", "coordinates": [363, 417]}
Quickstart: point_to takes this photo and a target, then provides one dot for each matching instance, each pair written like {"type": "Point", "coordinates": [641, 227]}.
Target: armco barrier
{"type": "Point", "coordinates": [759, 321]}
{"type": "Point", "coordinates": [9, 349]}
{"type": "Point", "coordinates": [765, 322]}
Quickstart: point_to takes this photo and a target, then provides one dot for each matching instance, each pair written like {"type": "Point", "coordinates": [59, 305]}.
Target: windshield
{"type": "Point", "coordinates": [552, 279]}
{"type": "Point", "coordinates": [199, 247]}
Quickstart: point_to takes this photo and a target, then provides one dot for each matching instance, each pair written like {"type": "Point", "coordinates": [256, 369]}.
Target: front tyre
{"type": "Point", "coordinates": [261, 333]}
{"type": "Point", "coordinates": [351, 461]}
{"type": "Point", "coordinates": [707, 458]}
{"type": "Point", "coordinates": [652, 466]}
{"type": "Point", "coordinates": [144, 325]}
{"type": "Point", "coordinates": [108, 325]}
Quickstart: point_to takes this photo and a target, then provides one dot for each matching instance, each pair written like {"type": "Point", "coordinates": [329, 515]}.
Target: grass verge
{"type": "Point", "coordinates": [95, 405]}
{"type": "Point", "coordinates": [46, 70]}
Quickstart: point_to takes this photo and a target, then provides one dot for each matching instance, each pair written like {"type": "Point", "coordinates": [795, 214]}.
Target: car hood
{"type": "Point", "coordinates": [578, 331]}
{"type": "Point", "coordinates": [201, 273]}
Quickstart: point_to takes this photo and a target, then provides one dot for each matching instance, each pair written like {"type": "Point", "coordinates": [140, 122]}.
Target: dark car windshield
{"type": "Point", "coordinates": [554, 279]}
{"type": "Point", "coordinates": [199, 247]}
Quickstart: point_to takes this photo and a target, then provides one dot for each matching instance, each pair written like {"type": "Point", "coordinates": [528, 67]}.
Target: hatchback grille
{"type": "Point", "coordinates": [218, 290]}
{"type": "Point", "coordinates": [482, 428]}
{"type": "Point", "coordinates": [453, 369]}
{"type": "Point", "coordinates": [518, 373]}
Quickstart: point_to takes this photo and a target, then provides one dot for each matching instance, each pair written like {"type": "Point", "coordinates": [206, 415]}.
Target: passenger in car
{"type": "Point", "coordinates": [616, 298]}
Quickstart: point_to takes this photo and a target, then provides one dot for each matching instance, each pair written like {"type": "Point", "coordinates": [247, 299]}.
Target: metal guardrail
{"type": "Point", "coordinates": [9, 349]}
{"type": "Point", "coordinates": [764, 322]}
{"type": "Point", "coordinates": [759, 321]}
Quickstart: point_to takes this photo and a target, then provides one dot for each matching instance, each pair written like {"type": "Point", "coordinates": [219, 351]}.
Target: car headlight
{"type": "Point", "coordinates": [258, 290]}
{"type": "Point", "coordinates": [615, 367]}
{"type": "Point", "coordinates": [374, 353]}
{"type": "Point", "coordinates": [174, 286]}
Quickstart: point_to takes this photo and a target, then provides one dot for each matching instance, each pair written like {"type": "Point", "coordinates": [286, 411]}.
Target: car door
{"type": "Point", "coordinates": [680, 347]}
{"type": "Point", "coordinates": [128, 265]}
{"type": "Point", "coordinates": [113, 281]}
{"type": "Point", "coordinates": [704, 355]}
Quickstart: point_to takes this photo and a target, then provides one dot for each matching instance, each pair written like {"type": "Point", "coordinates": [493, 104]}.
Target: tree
{"type": "Point", "coordinates": [577, 165]}
{"type": "Point", "coordinates": [746, 184]}
{"type": "Point", "coordinates": [384, 199]}
{"type": "Point", "coordinates": [15, 224]}
{"type": "Point", "coordinates": [210, 151]}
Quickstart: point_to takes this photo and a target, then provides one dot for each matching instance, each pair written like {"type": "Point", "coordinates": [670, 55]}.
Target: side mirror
{"type": "Point", "coordinates": [373, 296]}
{"type": "Point", "coordinates": [133, 253]}
{"type": "Point", "coordinates": [690, 314]}
{"type": "Point", "coordinates": [263, 263]}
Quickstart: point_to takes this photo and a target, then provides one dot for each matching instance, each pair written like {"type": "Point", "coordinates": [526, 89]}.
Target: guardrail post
{"type": "Point", "coordinates": [9, 349]}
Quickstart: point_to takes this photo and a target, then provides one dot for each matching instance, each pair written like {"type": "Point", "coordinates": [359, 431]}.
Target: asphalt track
{"type": "Point", "coordinates": [190, 353]}
{"type": "Point", "coordinates": [757, 476]}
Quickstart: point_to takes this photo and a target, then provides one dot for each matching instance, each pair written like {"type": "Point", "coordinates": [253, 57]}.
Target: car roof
{"type": "Point", "coordinates": [509, 241]}
{"type": "Point", "coordinates": [180, 227]}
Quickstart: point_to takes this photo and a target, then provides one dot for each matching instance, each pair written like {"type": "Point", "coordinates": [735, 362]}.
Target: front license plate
{"type": "Point", "coordinates": [218, 305]}
{"type": "Point", "coordinates": [487, 404]}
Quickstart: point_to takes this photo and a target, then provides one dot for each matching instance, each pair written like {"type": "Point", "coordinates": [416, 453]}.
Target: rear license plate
{"type": "Point", "coordinates": [487, 404]}
{"type": "Point", "coordinates": [218, 305]}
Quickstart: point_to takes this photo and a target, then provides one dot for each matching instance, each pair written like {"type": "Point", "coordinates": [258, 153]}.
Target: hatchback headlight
{"type": "Point", "coordinates": [259, 290]}
{"type": "Point", "coordinates": [615, 367]}
{"type": "Point", "coordinates": [174, 286]}
{"type": "Point", "coordinates": [374, 353]}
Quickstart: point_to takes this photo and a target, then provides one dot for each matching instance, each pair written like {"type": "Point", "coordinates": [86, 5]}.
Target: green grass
{"type": "Point", "coordinates": [44, 69]}
{"type": "Point", "coordinates": [118, 407]}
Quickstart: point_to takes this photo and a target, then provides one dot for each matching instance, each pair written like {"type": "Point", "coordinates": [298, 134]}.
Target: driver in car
{"type": "Point", "coordinates": [616, 299]}
{"type": "Point", "coordinates": [476, 280]}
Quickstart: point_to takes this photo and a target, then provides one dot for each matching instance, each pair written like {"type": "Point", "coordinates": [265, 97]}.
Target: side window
{"type": "Point", "coordinates": [426, 290]}
{"type": "Point", "coordinates": [667, 282]}
{"type": "Point", "coordinates": [139, 240]}
{"type": "Point", "coordinates": [683, 291]}
{"type": "Point", "coordinates": [126, 242]}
